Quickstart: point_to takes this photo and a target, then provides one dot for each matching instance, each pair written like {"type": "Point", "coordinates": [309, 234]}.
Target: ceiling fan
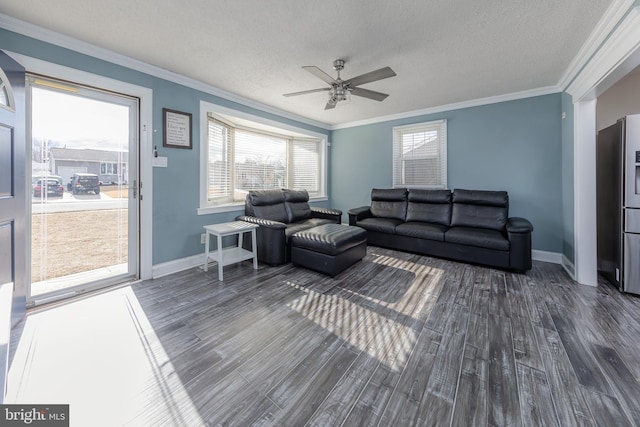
{"type": "Point", "coordinates": [340, 90]}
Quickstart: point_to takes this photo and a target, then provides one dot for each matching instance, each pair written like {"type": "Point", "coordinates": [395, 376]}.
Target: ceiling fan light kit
{"type": "Point", "coordinates": [341, 90]}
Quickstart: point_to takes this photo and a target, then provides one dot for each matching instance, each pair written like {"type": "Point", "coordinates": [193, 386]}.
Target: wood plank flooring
{"type": "Point", "coordinates": [396, 340]}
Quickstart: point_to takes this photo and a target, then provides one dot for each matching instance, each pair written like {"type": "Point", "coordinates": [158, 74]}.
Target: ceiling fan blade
{"type": "Point", "coordinates": [330, 104]}
{"type": "Point", "coordinates": [320, 74]}
{"type": "Point", "coordinates": [304, 92]}
{"type": "Point", "coordinates": [372, 76]}
{"type": "Point", "coordinates": [366, 93]}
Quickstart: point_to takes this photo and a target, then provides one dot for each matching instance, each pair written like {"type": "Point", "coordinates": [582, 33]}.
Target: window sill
{"type": "Point", "coordinates": [239, 207]}
{"type": "Point", "coordinates": [207, 210]}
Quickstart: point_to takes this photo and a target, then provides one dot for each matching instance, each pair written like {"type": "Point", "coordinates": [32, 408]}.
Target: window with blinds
{"type": "Point", "coordinates": [241, 159]}
{"type": "Point", "coordinates": [219, 163]}
{"type": "Point", "coordinates": [306, 158]}
{"type": "Point", "coordinates": [420, 155]}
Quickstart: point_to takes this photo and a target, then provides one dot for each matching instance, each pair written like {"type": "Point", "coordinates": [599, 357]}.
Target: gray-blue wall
{"type": "Point", "coordinates": [176, 226]}
{"type": "Point", "coordinates": [568, 248]}
{"type": "Point", "coordinates": [514, 146]}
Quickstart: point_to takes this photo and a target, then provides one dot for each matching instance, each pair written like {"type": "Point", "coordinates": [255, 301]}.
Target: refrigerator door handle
{"type": "Point", "coordinates": [631, 132]}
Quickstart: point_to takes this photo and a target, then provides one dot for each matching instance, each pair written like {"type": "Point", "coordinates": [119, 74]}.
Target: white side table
{"type": "Point", "coordinates": [232, 254]}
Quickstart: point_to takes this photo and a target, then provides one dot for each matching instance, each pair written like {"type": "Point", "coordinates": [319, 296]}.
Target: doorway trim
{"type": "Point", "coordinates": [145, 95]}
{"type": "Point", "coordinates": [616, 57]}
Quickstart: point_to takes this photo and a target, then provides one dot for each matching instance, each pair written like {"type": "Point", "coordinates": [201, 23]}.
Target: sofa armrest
{"type": "Point", "coordinates": [519, 234]}
{"type": "Point", "coordinates": [262, 222]}
{"type": "Point", "coordinates": [271, 240]}
{"type": "Point", "coordinates": [519, 225]}
{"type": "Point", "coordinates": [358, 214]}
{"type": "Point", "coordinates": [327, 213]}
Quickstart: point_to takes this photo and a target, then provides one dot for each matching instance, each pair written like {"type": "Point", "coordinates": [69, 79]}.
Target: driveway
{"type": "Point", "coordinates": [79, 202]}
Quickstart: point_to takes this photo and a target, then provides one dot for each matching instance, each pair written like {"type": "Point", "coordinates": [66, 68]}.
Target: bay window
{"type": "Point", "coordinates": [241, 157]}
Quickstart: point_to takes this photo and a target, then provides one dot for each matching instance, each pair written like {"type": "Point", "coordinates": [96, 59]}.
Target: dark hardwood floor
{"type": "Point", "coordinates": [396, 340]}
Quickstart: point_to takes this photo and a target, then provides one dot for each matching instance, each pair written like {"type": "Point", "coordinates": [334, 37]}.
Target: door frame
{"type": "Point", "coordinates": [145, 186]}
{"type": "Point", "coordinates": [618, 54]}
{"type": "Point", "coordinates": [67, 285]}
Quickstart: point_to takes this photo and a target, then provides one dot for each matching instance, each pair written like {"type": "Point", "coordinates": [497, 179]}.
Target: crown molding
{"type": "Point", "coordinates": [52, 37]}
{"type": "Point", "coordinates": [455, 106]}
{"type": "Point", "coordinates": [609, 61]}
{"type": "Point", "coordinates": [612, 17]}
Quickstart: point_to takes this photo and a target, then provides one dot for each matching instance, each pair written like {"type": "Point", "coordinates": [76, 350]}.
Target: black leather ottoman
{"type": "Point", "coordinates": [329, 248]}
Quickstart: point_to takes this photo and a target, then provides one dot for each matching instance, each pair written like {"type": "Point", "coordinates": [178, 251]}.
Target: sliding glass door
{"type": "Point", "coordinates": [84, 206]}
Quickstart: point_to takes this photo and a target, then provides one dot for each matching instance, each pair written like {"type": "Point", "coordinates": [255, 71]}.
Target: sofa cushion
{"type": "Point", "coordinates": [296, 204]}
{"type": "Point", "coordinates": [432, 206]}
{"type": "Point", "coordinates": [389, 203]}
{"type": "Point", "coordinates": [304, 225]}
{"type": "Point", "coordinates": [484, 209]}
{"type": "Point", "coordinates": [490, 217]}
{"type": "Point", "coordinates": [383, 225]}
{"type": "Point", "coordinates": [422, 230]}
{"type": "Point", "coordinates": [480, 197]}
{"type": "Point", "coordinates": [479, 237]}
{"type": "Point", "coordinates": [267, 204]}
{"type": "Point", "coordinates": [330, 239]}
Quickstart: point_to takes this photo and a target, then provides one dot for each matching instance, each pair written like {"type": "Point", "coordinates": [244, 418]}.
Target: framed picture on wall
{"type": "Point", "coordinates": [177, 129]}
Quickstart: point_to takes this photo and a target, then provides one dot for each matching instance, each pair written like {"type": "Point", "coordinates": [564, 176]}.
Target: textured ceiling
{"type": "Point", "coordinates": [443, 51]}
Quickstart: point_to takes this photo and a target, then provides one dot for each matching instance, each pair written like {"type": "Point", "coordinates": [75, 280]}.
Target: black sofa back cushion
{"type": "Point", "coordinates": [389, 203]}
{"type": "Point", "coordinates": [480, 197]}
{"type": "Point", "coordinates": [432, 206]}
{"type": "Point", "coordinates": [484, 209]}
{"type": "Point", "coordinates": [266, 204]}
{"type": "Point", "coordinates": [297, 204]}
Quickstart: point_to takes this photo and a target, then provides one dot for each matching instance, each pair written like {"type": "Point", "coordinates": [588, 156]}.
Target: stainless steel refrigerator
{"type": "Point", "coordinates": [618, 203]}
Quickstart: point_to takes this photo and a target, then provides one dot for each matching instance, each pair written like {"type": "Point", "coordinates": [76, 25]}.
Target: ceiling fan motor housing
{"type": "Point", "coordinates": [339, 92]}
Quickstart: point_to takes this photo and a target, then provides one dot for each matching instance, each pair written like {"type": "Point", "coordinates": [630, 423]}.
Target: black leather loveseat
{"type": "Point", "coordinates": [466, 225]}
{"type": "Point", "coordinates": [280, 214]}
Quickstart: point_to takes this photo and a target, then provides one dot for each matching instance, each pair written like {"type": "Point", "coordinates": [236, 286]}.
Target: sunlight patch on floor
{"type": "Point", "coordinates": [101, 356]}
{"type": "Point", "coordinates": [374, 334]}
{"type": "Point", "coordinates": [373, 331]}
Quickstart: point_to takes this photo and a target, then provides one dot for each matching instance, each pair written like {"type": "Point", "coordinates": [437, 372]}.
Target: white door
{"type": "Point", "coordinates": [12, 202]}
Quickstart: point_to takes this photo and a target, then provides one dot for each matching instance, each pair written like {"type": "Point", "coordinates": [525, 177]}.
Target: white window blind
{"type": "Point", "coordinates": [306, 155]}
{"type": "Point", "coordinates": [240, 159]}
{"type": "Point", "coordinates": [420, 155]}
{"type": "Point", "coordinates": [219, 162]}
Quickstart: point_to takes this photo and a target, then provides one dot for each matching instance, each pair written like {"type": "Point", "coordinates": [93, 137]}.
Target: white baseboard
{"type": "Point", "coordinates": [555, 258]}
{"type": "Point", "coordinates": [545, 256]}
{"type": "Point", "coordinates": [177, 265]}
{"type": "Point", "coordinates": [569, 267]}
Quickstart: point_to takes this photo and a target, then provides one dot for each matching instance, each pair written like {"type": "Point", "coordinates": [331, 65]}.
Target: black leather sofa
{"type": "Point", "coordinates": [466, 225]}
{"type": "Point", "coordinates": [280, 214]}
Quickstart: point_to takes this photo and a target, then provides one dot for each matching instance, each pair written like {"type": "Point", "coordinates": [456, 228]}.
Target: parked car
{"type": "Point", "coordinates": [41, 175]}
{"type": "Point", "coordinates": [49, 186]}
{"type": "Point", "coordinates": [84, 183]}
